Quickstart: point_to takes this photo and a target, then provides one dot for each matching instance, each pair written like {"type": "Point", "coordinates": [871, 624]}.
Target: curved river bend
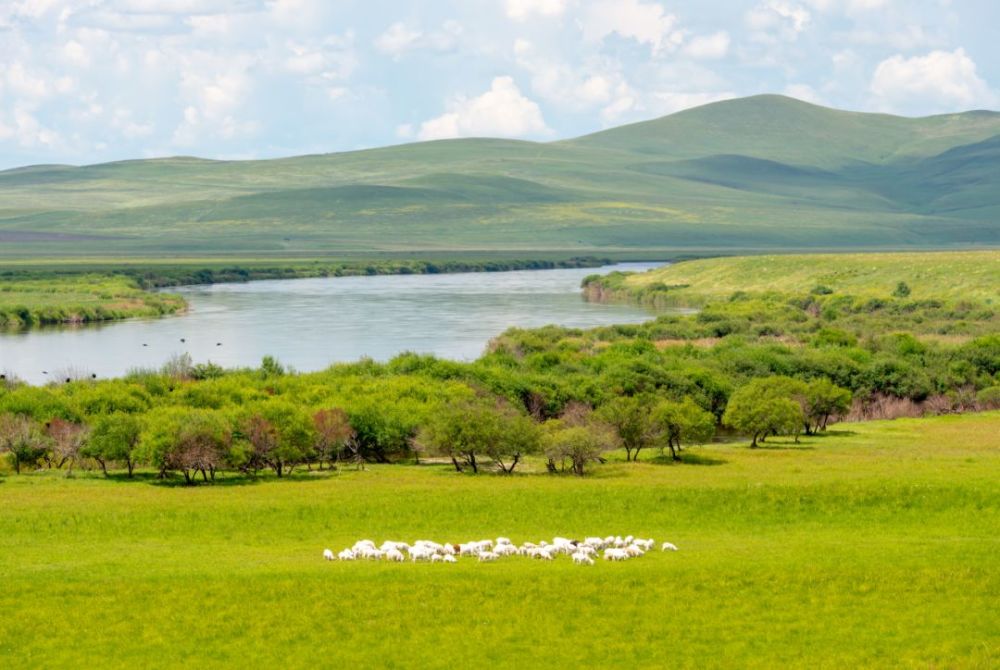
{"type": "Point", "coordinates": [309, 324]}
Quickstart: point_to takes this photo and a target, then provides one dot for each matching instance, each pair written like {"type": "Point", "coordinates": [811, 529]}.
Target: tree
{"type": "Point", "coordinates": [280, 435]}
{"type": "Point", "coordinates": [460, 431]}
{"type": "Point", "coordinates": [191, 441]}
{"type": "Point", "coordinates": [68, 440]}
{"type": "Point", "coordinates": [681, 423]}
{"type": "Point", "coordinates": [902, 290]}
{"type": "Point", "coordinates": [115, 437]}
{"type": "Point", "coordinates": [19, 437]}
{"type": "Point", "coordinates": [824, 400]}
{"type": "Point", "coordinates": [578, 437]}
{"type": "Point", "coordinates": [631, 417]}
{"type": "Point", "coordinates": [755, 412]}
{"type": "Point", "coordinates": [333, 431]}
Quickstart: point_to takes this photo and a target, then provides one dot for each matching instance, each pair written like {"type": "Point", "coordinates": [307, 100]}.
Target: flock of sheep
{"type": "Point", "coordinates": [615, 548]}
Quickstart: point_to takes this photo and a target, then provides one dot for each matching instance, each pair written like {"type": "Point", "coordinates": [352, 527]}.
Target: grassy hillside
{"type": "Point", "coordinates": [756, 174]}
{"type": "Point", "coordinates": [874, 546]}
{"type": "Point", "coordinates": [971, 276]}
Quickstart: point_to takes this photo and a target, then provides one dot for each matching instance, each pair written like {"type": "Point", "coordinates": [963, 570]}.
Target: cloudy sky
{"type": "Point", "coordinates": [85, 81]}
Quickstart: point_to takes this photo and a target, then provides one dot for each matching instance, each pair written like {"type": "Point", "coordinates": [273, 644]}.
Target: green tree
{"type": "Point", "coordinates": [824, 400]}
{"type": "Point", "coordinates": [67, 440]}
{"type": "Point", "coordinates": [755, 412]}
{"type": "Point", "coordinates": [280, 435]}
{"type": "Point", "coordinates": [577, 437]}
{"type": "Point", "coordinates": [631, 418]}
{"type": "Point", "coordinates": [683, 422]}
{"type": "Point", "coordinates": [189, 440]}
{"type": "Point", "coordinates": [115, 438]}
{"type": "Point", "coordinates": [19, 437]}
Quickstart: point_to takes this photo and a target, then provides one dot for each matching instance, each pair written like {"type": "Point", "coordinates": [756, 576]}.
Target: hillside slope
{"type": "Point", "coordinates": [760, 173]}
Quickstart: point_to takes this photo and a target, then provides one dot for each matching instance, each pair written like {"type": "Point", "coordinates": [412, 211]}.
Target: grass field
{"type": "Point", "coordinates": [78, 299]}
{"type": "Point", "coordinates": [877, 545]}
{"type": "Point", "coordinates": [942, 275]}
{"type": "Point", "coordinates": [750, 175]}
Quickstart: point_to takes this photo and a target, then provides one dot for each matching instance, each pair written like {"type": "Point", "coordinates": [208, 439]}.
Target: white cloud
{"type": "Point", "coordinates": [503, 111]}
{"type": "Point", "coordinates": [939, 81]}
{"type": "Point", "coordinates": [712, 46]}
{"type": "Point", "coordinates": [645, 22]}
{"type": "Point", "coordinates": [522, 10]}
{"type": "Point", "coordinates": [777, 19]}
{"type": "Point", "coordinates": [400, 38]}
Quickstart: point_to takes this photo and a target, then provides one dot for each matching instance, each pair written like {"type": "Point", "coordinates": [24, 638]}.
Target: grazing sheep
{"type": "Point", "coordinates": [487, 556]}
{"type": "Point", "coordinates": [634, 551]}
{"type": "Point", "coordinates": [420, 554]}
{"type": "Point", "coordinates": [395, 556]}
{"type": "Point", "coordinates": [449, 558]}
{"type": "Point", "coordinates": [503, 540]}
{"type": "Point", "coordinates": [668, 546]}
{"type": "Point", "coordinates": [505, 550]}
{"type": "Point", "coordinates": [346, 555]}
{"type": "Point", "coordinates": [436, 558]}
{"type": "Point", "coordinates": [615, 554]}
{"type": "Point", "coordinates": [646, 545]}
{"type": "Point", "coordinates": [328, 555]}
{"type": "Point", "coordinates": [582, 559]}
{"type": "Point", "coordinates": [595, 543]}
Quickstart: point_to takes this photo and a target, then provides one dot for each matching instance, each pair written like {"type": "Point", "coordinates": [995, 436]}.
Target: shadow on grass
{"type": "Point", "coordinates": [224, 479]}
{"type": "Point", "coordinates": [782, 446]}
{"type": "Point", "coordinates": [686, 458]}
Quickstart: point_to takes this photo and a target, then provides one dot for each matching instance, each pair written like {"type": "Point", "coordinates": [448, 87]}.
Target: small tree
{"type": "Point", "coordinates": [902, 290]}
{"type": "Point", "coordinates": [115, 437]}
{"type": "Point", "coordinates": [68, 440]}
{"type": "Point", "coordinates": [631, 418]}
{"type": "Point", "coordinates": [759, 414]}
{"type": "Point", "coordinates": [333, 431]}
{"type": "Point", "coordinates": [279, 434]}
{"type": "Point", "coordinates": [578, 437]}
{"type": "Point", "coordinates": [19, 437]}
{"type": "Point", "coordinates": [823, 401]}
{"type": "Point", "coordinates": [681, 423]}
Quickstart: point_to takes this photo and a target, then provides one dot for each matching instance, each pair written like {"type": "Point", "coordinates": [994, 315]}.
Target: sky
{"type": "Point", "coordinates": [89, 81]}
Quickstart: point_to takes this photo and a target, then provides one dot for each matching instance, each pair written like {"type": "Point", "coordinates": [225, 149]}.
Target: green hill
{"type": "Point", "coordinates": [755, 174]}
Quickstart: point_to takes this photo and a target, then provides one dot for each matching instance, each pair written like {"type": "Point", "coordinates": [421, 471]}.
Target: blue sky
{"type": "Point", "coordinates": [85, 81]}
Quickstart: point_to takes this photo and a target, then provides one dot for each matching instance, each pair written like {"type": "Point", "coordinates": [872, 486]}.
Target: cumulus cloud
{"type": "Point", "coordinates": [712, 46]}
{"type": "Point", "coordinates": [645, 22]}
{"type": "Point", "coordinates": [502, 111]}
{"type": "Point", "coordinates": [938, 81]}
{"type": "Point", "coordinates": [522, 10]}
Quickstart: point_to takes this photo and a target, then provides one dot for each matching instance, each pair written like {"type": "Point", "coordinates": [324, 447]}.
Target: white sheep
{"type": "Point", "coordinates": [449, 558]}
{"type": "Point", "coordinates": [328, 555]}
{"type": "Point", "coordinates": [346, 555]}
{"type": "Point", "coordinates": [645, 544]}
{"type": "Point", "coordinates": [668, 546]}
{"type": "Point", "coordinates": [634, 551]}
{"type": "Point", "coordinates": [505, 550]}
{"type": "Point", "coordinates": [615, 554]}
{"type": "Point", "coordinates": [582, 559]}
{"type": "Point", "coordinates": [503, 540]}
{"type": "Point", "coordinates": [436, 558]}
{"type": "Point", "coordinates": [394, 555]}
{"type": "Point", "coordinates": [595, 543]}
{"type": "Point", "coordinates": [487, 556]}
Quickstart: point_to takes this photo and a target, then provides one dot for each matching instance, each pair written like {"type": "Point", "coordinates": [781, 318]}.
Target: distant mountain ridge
{"type": "Point", "coordinates": [765, 172]}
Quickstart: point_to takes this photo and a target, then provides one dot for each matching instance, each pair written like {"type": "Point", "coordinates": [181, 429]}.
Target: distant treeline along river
{"type": "Point", "coordinates": [309, 324]}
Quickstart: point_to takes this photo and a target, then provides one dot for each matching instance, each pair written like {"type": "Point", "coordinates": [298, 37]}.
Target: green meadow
{"type": "Point", "coordinates": [964, 276]}
{"type": "Point", "coordinates": [875, 545]}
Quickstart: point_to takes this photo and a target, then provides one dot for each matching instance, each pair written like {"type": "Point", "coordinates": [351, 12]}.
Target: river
{"type": "Point", "coordinates": [309, 324]}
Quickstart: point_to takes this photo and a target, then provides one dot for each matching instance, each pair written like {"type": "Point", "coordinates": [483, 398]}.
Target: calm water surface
{"type": "Point", "coordinates": [310, 323]}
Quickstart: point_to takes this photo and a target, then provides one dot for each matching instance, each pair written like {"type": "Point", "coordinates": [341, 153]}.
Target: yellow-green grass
{"type": "Point", "coordinates": [877, 545]}
{"type": "Point", "coordinates": [967, 275]}
{"type": "Point", "coordinates": [78, 299]}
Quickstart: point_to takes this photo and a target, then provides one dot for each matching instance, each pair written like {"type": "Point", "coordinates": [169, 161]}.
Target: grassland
{"type": "Point", "coordinates": [873, 546]}
{"type": "Point", "coordinates": [753, 175]}
{"type": "Point", "coordinates": [957, 276]}
{"type": "Point", "coordinates": [79, 299]}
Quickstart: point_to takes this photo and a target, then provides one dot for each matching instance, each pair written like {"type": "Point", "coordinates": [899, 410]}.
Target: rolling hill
{"type": "Point", "coordinates": [754, 174]}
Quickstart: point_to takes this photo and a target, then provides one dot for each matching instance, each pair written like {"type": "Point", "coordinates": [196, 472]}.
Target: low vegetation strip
{"type": "Point", "coordinates": [79, 299]}
{"type": "Point", "coordinates": [874, 545]}
{"type": "Point", "coordinates": [971, 276]}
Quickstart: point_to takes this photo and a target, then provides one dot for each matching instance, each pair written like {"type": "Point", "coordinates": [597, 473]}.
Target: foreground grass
{"type": "Point", "coordinates": [971, 275]}
{"type": "Point", "coordinates": [876, 545]}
